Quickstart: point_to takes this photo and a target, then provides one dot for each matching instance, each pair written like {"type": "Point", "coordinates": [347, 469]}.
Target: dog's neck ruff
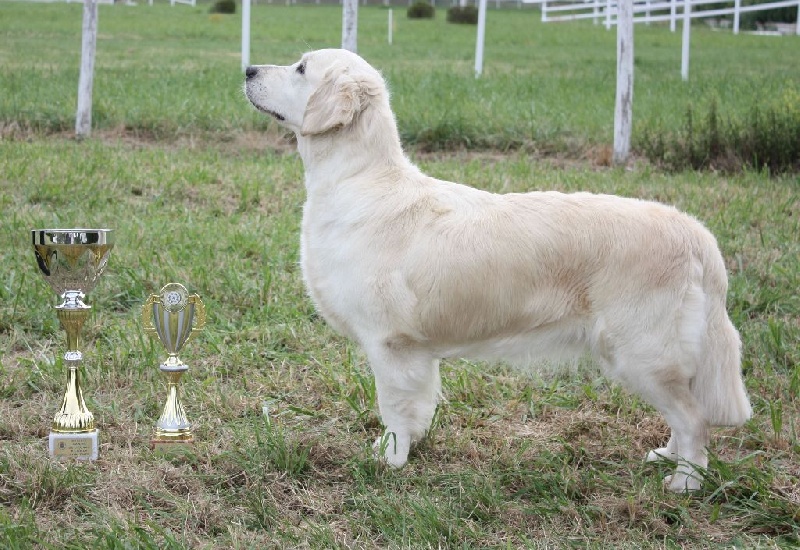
{"type": "Point", "coordinates": [322, 154]}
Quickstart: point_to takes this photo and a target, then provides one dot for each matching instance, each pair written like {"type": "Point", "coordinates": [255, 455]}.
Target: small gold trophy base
{"type": "Point", "coordinates": [174, 445]}
{"type": "Point", "coordinates": [77, 446]}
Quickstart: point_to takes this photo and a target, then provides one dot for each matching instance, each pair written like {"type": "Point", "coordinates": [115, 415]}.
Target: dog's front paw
{"type": "Point", "coordinates": [392, 449]}
{"type": "Point", "coordinates": [681, 482]}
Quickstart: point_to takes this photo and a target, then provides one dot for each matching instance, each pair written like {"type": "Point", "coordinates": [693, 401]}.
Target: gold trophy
{"type": "Point", "coordinates": [71, 261]}
{"type": "Point", "coordinates": [170, 315]}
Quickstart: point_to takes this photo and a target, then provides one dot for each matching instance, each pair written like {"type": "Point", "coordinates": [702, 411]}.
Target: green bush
{"type": "Point", "coordinates": [421, 10]}
{"type": "Point", "coordinates": [752, 19]}
{"type": "Point", "coordinates": [467, 15]}
{"type": "Point", "coordinates": [223, 6]}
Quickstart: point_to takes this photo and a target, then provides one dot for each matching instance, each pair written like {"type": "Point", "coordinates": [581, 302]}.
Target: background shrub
{"type": "Point", "coordinates": [466, 14]}
{"type": "Point", "coordinates": [421, 10]}
{"type": "Point", "coordinates": [223, 6]}
{"type": "Point", "coordinates": [750, 20]}
{"type": "Point", "coordinates": [767, 137]}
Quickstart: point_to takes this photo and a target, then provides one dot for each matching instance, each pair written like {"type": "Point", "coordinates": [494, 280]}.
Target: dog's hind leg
{"type": "Point", "coordinates": [670, 393]}
{"type": "Point", "coordinates": [408, 389]}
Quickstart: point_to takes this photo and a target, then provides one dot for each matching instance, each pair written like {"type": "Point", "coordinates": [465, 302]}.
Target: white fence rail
{"type": "Point", "coordinates": [652, 11]}
{"type": "Point", "coordinates": [171, 2]}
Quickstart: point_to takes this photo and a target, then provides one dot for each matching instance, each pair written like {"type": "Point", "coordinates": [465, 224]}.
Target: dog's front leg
{"type": "Point", "coordinates": [408, 388]}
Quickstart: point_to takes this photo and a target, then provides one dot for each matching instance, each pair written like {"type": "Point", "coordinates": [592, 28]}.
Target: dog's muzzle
{"type": "Point", "coordinates": [250, 74]}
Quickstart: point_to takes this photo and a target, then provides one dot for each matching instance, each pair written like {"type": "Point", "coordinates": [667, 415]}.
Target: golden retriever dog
{"type": "Point", "coordinates": [416, 269]}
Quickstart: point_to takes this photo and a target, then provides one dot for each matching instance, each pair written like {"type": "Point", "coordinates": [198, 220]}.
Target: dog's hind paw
{"type": "Point", "coordinates": [658, 455]}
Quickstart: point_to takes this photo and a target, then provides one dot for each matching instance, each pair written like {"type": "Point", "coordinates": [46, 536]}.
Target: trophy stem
{"type": "Point", "coordinates": [72, 320]}
{"type": "Point", "coordinates": [173, 426]}
{"type": "Point", "coordinates": [73, 416]}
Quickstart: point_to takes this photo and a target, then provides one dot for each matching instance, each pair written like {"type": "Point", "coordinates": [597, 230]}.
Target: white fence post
{"type": "Point", "coordinates": [245, 34]}
{"type": "Point", "coordinates": [83, 117]}
{"type": "Point", "coordinates": [673, 12]}
{"type": "Point", "coordinates": [623, 111]}
{"type": "Point", "coordinates": [481, 37]}
{"type": "Point", "coordinates": [687, 25]}
{"type": "Point", "coordinates": [350, 25]}
{"type": "Point", "coordinates": [737, 4]}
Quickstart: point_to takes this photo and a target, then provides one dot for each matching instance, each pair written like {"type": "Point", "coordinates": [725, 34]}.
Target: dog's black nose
{"type": "Point", "coordinates": [250, 72]}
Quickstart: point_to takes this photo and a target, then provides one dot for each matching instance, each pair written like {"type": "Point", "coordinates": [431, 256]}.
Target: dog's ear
{"type": "Point", "coordinates": [337, 101]}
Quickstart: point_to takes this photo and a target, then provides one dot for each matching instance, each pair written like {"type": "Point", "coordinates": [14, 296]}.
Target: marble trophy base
{"type": "Point", "coordinates": [78, 446]}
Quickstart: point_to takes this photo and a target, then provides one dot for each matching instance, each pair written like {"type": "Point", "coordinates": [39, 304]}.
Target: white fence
{"type": "Point", "coordinates": [653, 11]}
{"type": "Point", "coordinates": [171, 2]}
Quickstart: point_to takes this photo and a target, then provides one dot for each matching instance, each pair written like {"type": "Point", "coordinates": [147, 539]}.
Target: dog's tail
{"type": "Point", "coordinates": [718, 384]}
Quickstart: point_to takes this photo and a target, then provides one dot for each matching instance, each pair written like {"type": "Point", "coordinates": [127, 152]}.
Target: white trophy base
{"type": "Point", "coordinates": [78, 446]}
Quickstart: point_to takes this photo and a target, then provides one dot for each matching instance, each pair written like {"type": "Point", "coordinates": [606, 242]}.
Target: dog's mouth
{"type": "Point", "coordinates": [273, 114]}
{"type": "Point", "coordinates": [277, 116]}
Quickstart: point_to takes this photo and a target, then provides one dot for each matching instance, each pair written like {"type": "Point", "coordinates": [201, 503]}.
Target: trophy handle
{"type": "Point", "coordinates": [200, 313]}
{"type": "Point", "coordinates": [147, 315]}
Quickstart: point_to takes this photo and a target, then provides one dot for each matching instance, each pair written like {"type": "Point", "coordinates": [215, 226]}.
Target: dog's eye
{"type": "Point", "coordinates": [301, 68]}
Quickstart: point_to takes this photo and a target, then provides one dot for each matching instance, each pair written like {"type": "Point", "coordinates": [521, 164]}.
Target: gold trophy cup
{"type": "Point", "coordinates": [71, 261]}
{"type": "Point", "coordinates": [173, 316]}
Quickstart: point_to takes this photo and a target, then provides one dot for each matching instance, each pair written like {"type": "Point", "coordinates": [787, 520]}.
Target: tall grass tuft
{"type": "Point", "coordinates": [765, 138]}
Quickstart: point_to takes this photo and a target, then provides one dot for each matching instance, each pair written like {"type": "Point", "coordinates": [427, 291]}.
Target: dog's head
{"type": "Point", "coordinates": [326, 90]}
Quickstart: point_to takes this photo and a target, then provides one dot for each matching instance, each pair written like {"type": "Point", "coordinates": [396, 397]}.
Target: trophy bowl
{"type": "Point", "coordinates": [72, 260]}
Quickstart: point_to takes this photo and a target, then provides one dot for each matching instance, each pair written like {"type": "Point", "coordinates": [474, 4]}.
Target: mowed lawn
{"type": "Point", "coordinates": [202, 190]}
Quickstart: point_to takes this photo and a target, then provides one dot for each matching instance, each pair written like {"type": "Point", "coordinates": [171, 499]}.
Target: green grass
{"type": "Point", "coordinates": [512, 460]}
{"type": "Point", "coordinates": [201, 191]}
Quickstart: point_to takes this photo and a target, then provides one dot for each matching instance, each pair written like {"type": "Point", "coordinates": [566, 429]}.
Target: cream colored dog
{"type": "Point", "coordinates": [416, 269]}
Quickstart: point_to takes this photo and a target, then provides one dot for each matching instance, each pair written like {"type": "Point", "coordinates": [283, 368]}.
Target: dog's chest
{"type": "Point", "coordinates": [335, 264]}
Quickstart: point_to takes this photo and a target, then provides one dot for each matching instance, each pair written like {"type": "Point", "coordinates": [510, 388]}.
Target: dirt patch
{"type": "Point", "coordinates": [276, 140]}
{"type": "Point", "coordinates": [238, 141]}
